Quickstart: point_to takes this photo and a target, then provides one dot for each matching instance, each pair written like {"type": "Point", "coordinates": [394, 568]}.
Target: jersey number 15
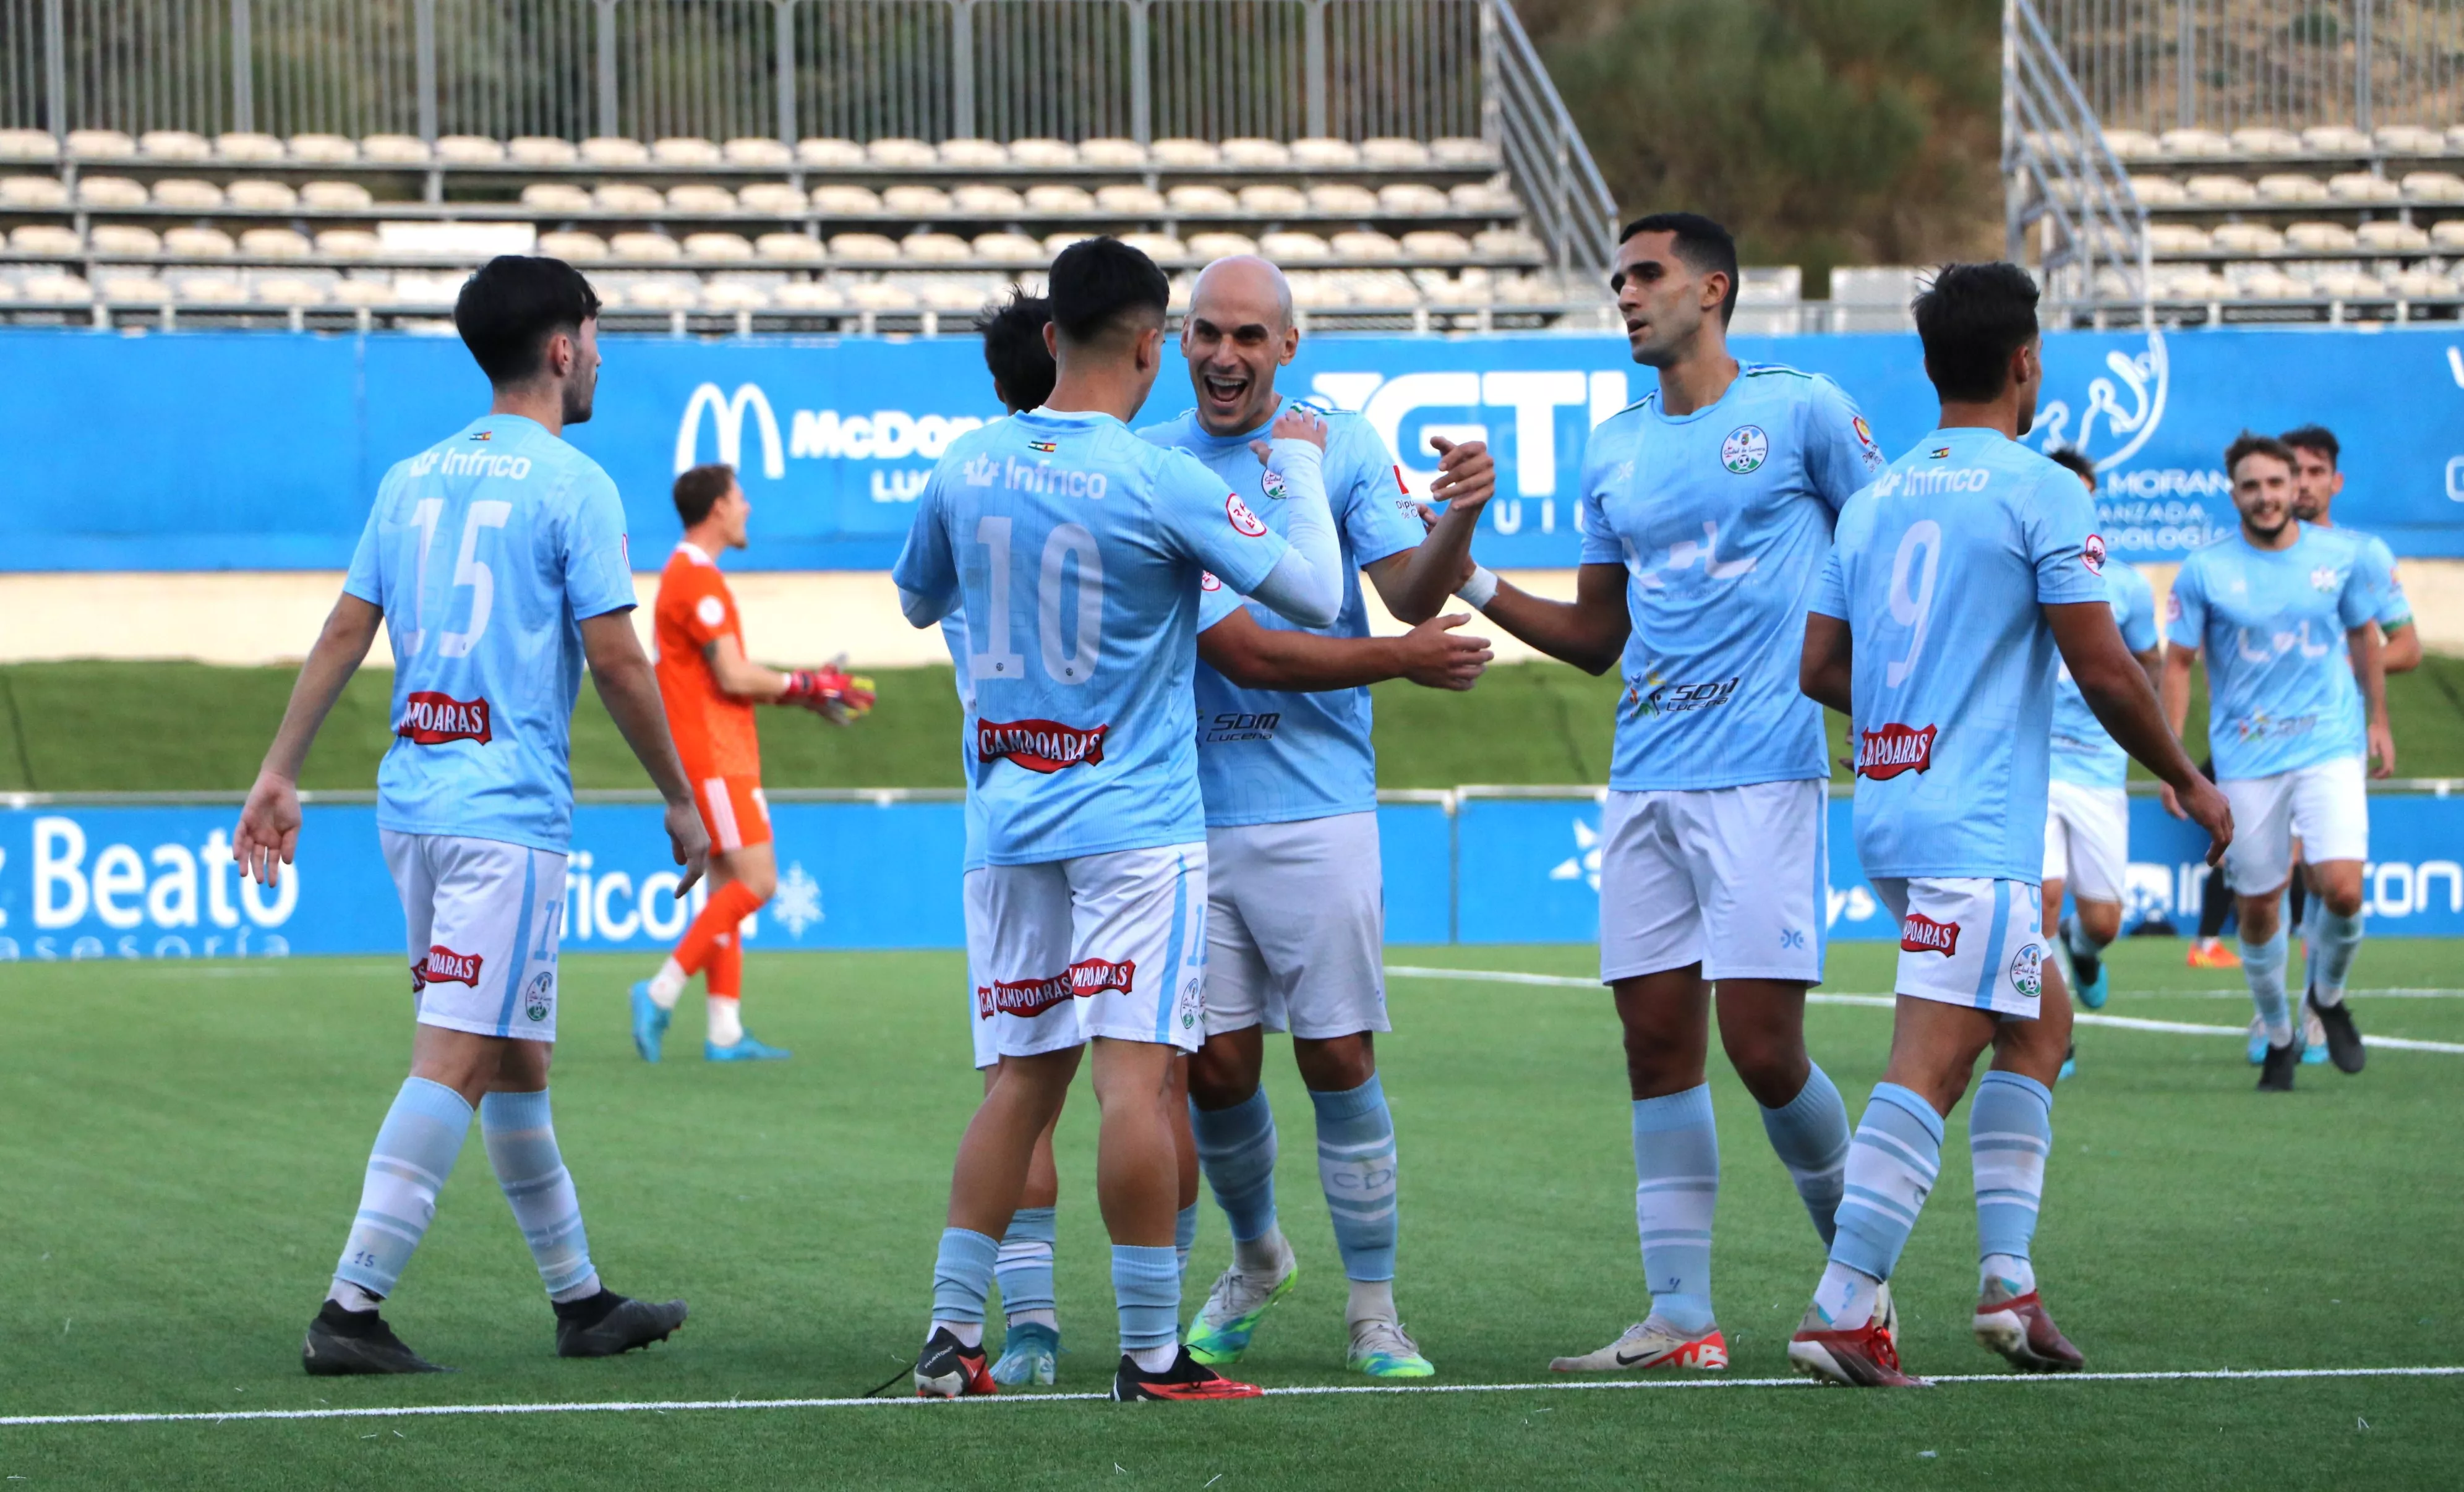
{"type": "Point", "coordinates": [469, 569]}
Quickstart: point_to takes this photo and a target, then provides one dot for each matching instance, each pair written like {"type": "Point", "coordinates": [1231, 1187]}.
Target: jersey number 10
{"type": "Point", "coordinates": [1066, 541]}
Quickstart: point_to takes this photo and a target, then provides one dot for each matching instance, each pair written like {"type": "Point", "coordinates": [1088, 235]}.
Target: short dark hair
{"type": "Point", "coordinates": [1702, 244]}
{"type": "Point", "coordinates": [1971, 319]}
{"type": "Point", "coordinates": [2072, 459]}
{"type": "Point", "coordinates": [699, 490]}
{"type": "Point", "coordinates": [513, 305]}
{"type": "Point", "coordinates": [1014, 350]}
{"type": "Point", "coordinates": [1098, 284]}
{"type": "Point", "coordinates": [2250, 443]}
{"type": "Point", "coordinates": [2318, 438]}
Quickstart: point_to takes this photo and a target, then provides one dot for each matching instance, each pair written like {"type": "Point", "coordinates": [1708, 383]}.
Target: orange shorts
{"type": "Point", "coordinates": [733, 811]}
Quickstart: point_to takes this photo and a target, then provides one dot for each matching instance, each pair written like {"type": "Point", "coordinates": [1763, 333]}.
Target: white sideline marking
{"type": "Point", "coordinates": [1885, 1002]}
{"type": "Point", "coordinates": [1313, 1391]}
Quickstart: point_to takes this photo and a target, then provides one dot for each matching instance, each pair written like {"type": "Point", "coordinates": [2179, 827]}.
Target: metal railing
{"type": "Point", "coordinates": [2226, 64]}
{"type": "Point", "coordinates": [2062, 186]}
{"type": "Point", "coordinates": [786, 68]}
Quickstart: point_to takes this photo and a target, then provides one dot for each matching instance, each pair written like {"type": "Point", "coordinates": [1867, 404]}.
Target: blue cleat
{"type": "Point", "coordinates": [649, 1022]}
{"type": "Point", "coordinates": [2090, 981]}
{"type": "Point", "coordinates": [2258, 1043]}
{"type": "Point", "coordinates": [2070, 1064]}
{"type": "Point", "coordinates": [748, 1049]}
{"type": "Point", "coordinates": [1030, 1355]}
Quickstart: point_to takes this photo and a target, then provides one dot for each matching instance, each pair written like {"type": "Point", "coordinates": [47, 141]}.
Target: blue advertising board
{"type": "Point", "coordinates": [156, 882]}
{"type": "Point", "coordinates": [253, 451]}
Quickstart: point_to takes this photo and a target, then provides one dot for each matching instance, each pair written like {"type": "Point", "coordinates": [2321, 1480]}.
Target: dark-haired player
{"type": "Point", "coordinates": [1706, 510]}
{"type": "Point", "coordinates": [1074, 550]}
{"type": "Point", "coordinates": [496, 561]}
{"type": "Point", "coordinates": [1958, 578]}
{"type": "Point", "coordinates": [709, 687]}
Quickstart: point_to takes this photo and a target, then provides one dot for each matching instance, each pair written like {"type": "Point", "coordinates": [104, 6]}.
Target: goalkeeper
{"type": "Point", "coordinates": [710, 688]}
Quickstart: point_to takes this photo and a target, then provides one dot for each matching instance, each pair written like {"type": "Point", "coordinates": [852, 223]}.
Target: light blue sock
{"type": "Point", "coordinates": [2262, 965]}
{"type": "Point", "coordinates": [522, 1145]}
{"type": "Point", "coordinates": [1236, 1149]}
{"type": "Point", "coordinates": [416, 1147]}
{"type": "Point", "coordinates": [1146, 1286]}
{"type": "Point", "coordinates": [962, 1275]}
{"type": "Point", "coordinates": [1809, 1134]}
{"type": "Point", "coordinates": [1891, 1168]}
{"type": "Point", "coordinates": [2010, 1134]}
{"type": "Point", "coordinates": [1677, 1186]}
{"type": "Point", "coordinates": [1025, 1265]}
{"type": "Point", "coordinates": [1184, 1236]}
{"type": "Point", "coordinates": [1356, 1166]}
{"type": "Point", "coordinates": [2334, 941]}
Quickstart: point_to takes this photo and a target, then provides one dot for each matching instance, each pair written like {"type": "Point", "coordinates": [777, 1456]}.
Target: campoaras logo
{"type": "Point", "coordinates": [1025, 998]}
{"type": "Point", "coordinates": [1922, 934]}
{"type": "Point", "coordinates": [445, 966]}
{"type": "Point", "coordinates": [1885, 754]}
{"type": "Point", "coordinates": [429, 718]}
{"type": "Point", "coordinates": [1090, 976]}
{"type": "Point", "coordinates": [1039, 745]}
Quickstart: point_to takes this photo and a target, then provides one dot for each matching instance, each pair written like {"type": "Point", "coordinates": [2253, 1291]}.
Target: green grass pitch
{"type": "Point", "coordinates": [185, 1143]}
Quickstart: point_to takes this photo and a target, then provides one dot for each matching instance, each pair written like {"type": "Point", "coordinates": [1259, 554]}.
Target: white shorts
{"type": "Point", "coordinates": [1732, 878]}
{"type": "Point", "coordinates": [1295, 926]}
{"type": "Point", "coordinates": [2327, 806]}
{"type": "Point", "coordinates": [1103, 945]}
{"type": "Point", "coordinates": [484, 917]}
{"type": "Point", "coordinates": [2087, 840]}
{"type": "Point", "coordinates": [979, 944]}
{"type": "Point", "coordinates": [1969, 940]}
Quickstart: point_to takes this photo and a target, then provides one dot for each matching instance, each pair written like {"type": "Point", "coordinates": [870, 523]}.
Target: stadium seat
{"type": "Point", "coordinates": [775, 198]}
{"type": "Point", "coordinates": [206, 287]}
{"type": "Point", "coordinates": [289, 290]}
{"type": "Point", "coordinates": [1207, 247]}
{"type": "Point", "coordinates": [350, 243]}
{"type": "Point", "coordinates": [900, 153]}
{"type": "Point", "coordinates": [2291, 186]}
{"type": "Point", "coordinates": [572, 246]}
{"type": "Point", "coordinates": [1295, 248]}
{"type": "Point", "coordinates": [2423, 285]}
{"type": "Point", "coordinates": [174, 145]}
{"type": "Point", "coordinates": [123, 238]}
{"type": "Point", "coordinates": [2193, 284]}
{"type": "Point", "coordinates": [2448, 235]}
{"type": "Point", "coordinates": [973, 154]}
{"type": "Point", "coordinates": [55, 289]}
{"type": "Point", "coordinates": [829, 153]}
{"type": "Point", "coordinates": [947, 293]}
{"type": "Point", "coordinates": [864, 248]}
{"type": "Point", "coordinates": [1483, 197]}
{"type": "Point", "coordinates": [1198, 197]}
{"type": "Point", "coordinates": [28, 145]}
{"type": "Point", "coordinates": [1182, 153]}
{"type": "Point", "coordinates": [809, 296]}
{"type": "Point", "coordinates": [701, 198]}
{"type": "Point", "coordinates": [2219, 190]}
{"type": "Point", "coordinates": [323, 149]}
{"type": "Point", "coordinates": [1271, 200]}
{"type": "Point", "coordinates": [2260, 141]}
{"type": "Point", "coordinates": [1365, 243]}
{"type": "Point", "coordinates": [241, 144]}
{"type": "Point", "coordinates": [1161, 248]}
{"type": "Point", "coordinates": [468, 150]}
{"type": "Point", "coordinates": [1060, 199]}
{"type": "Point", "coordinates": [1009, 248]}
{"type": "Point", "coordinates": [336, 197]}
{"type": "Point", "coordinates": [1395, 153]}
{"type": "Point", "coordinates": [882, 296]}
{"type": "Point", "coordinates": [275, 243]}
{"type": "Point", "coordinates": [2343, 284]}
{"type": "Point", "coordinates": [686, 150]}
{"type": "Point", "coordinates": [541, 150]}
{"type": "Point", "coordinates": [629, 197]}
{"type": "Point", "coordinates": [2176, 238]}
{"type": "Point", "coordinates": [49, 238]}
{"type": "Point", "coordinates": [2248, 238]}
{"type": "Point", "coordinates": [259, 195]}
{"type": "Point", "coordinates": [354, 290]}
{"type": "Point", "coordinates": [1343, 199]}
{"type": "Point", "coordinates": [109, 191]}
{"type": "Point", "coordinates": [644, 246]}
{"type": "Point", "coordinates": [642, 293]}
{"type": "Point", "coordinates": [734, 295]}
{"type": "Point", "coordinates": [2392, 237]}
{"type": "Point", "coordinates": [2321, 237]}
{"type": "Point", "coordinates": [614, 151]}
{"type": "Point", "coordinates": [1128, 199]}
{"type": "Point", "coordinates": [2363, 186]}
{"type": "Point", "coordinates": [986, 199]}
{"type": "Point", "coordinates": [1256, 154]}
{"type": "Point", "coordinates": [2456, 140]}
{"type": "Point", "coordinates": [1436, 245]}
{"type": "Point", "coordinates": [2132, 145]}
{"type": "Point", "coordinates": [21, 192]}
{"type": "Point", "coordinates": [1508, 242]}
{"type": "Point", "coordinates": [789, 249]}
{"type": "Point", "coordinates": [199, 243]}
{"type": "Point", "coordinates": [133, 288]}
{"type": "Point", "coordinates": [556, 197]}
{"type": "Point", "coordinates": [182, 195]}
{"type": "Point", "coordinates": [394, 150]}
{"type": "Point", "coordinates": [1044, 154]}
{"type": "Point", "coordinates": [2193, 145]}
{"type": "Point", "coordinates": [1110, 153]}
{"type": "Point", "coordinates": [933, 248]}
{"type": "Point", "coordinates": [841, 200]}
{"type": "Point", "coordinates": [757, 150]}
{"type": "Point", "coordinates": [101, 145]}
{"type": "Point", "coordinates": [1461, 150]}
{"type": "Point", "coordinates": [2157, 190]}
{"type": "Point", "coordinates": [915, 200]}
{"type": "Point", "coordinates": [2433, 185]}
{"type": "Point", "coordinates": [1324, 153]}
{"type": "Point", "coordinates": [1412, 199]}
{"type": "Point", "coordinates": [708, 247]}
{"type": "Point", "coordinates": [2335, 140]}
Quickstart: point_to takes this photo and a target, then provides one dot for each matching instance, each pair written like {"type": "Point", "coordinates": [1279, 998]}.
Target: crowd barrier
{"type": "Point", "coordinates": [242, 451]}
{"type": "Point", "coordinates": [88, 880]}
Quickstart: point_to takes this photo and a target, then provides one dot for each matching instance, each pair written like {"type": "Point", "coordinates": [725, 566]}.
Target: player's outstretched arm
{"type": "Point", "coordinates": [1588, 631]}
{"type": "Point", "coordinates": [2115, 686]}
{"type": "Point", "coordinates": [268, 822]}
{"type": "Point", "coordinates": [2370, 666]}
{"type": "Point", "coordinates": [1825, 673]}
{"type": "Point", "coordinates": [1306, 585]}
{"type": "Point", "coordinates": [829, 691]}
{"type": "Point", "coordinates": [622, 674]}
{"type": "Point", "coordinates": [1432, 655]}
{"type": "Point", "coordinates": [1415, 585]}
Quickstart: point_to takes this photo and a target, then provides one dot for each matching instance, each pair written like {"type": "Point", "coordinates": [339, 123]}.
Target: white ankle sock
{"type": "Point", "coordinates": [1049, 1320]}
{"type": "Point", "coordinates": [1371, 1300]}
{"type": "Point", "coordinates": [970, 1333]}
{"type": "Point", "coordinates": [1846, 1297]}
{"type": "Point", "coordinates": [2016, 1274]}
{"type": "Point", "coordinates": [666, 984]}
{"type": "Point", "coordinates": [350, 1296]}
{"type": "Point", "coordinates": [1155, 1359]}
{"type": "Point", "coordinates": [726, 1021]}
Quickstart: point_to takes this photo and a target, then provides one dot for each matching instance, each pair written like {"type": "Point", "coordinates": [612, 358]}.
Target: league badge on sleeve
{"type": "Point", "coordinates": [1873, 454]}
{"type": "Point", "coordinates": [2092, 554]}
{"type": "Point", "coordinates": [1241, 518]}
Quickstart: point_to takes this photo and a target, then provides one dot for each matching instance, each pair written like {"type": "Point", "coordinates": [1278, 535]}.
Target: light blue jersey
{"type": "Point", "coordinates": [2272, 626]}
{"type": "Point", "coordinates": [1940, 569]}
{"type": "Point", "coordinates": [487, 551]}
{"type": "Point", "coordinates": [2377, 563]}
{"type": "Point", "coordinates": [1721, 519]}
{"type": "Point", "coordinates": [1265, 755]}
{"type": "Point", "coordinates": [953, 636]}
{"type": "Point", "coordinates": [2083, 752]}
{"type": "Point", "coordinates": [1074, 550]}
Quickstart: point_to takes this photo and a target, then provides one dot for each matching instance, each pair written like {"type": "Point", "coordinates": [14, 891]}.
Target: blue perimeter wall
{"type": "Point", "coordinates": [255, 450]}
{"type": "Point", "coordinates": [156, 882]}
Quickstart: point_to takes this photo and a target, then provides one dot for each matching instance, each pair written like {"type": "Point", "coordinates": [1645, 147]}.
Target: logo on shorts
{"type": "Point", "coordinates": [1206, 580]}
{"type": "Point", "coordinates": [1744, 450]}
{"type": "Point", "coordinates": [1241, 518]}
{"type": "Point", "coordinates": [1922, 934]}
{"type": "Point", "coordinates": [2092, 554]}
{"type": "Point", "coordinates": [1038, 745]}
{"type": "Point", "coordinates": [429, 718]}
{"type": "Point", "coordinates": [445, 966]}
{"type": "Point", "coordinates": [539, 995]}
{"type": "Point", "coordinates": [1885, 754]}
{"type": "Point", "coordinates": [1192, 1004]}
{"type": "Point", "coordinates": [2028, 971]}
{"type": "Point", "coordinates": [1025, 998]}
{"type": "Point", "coordinates": [1094, 976]}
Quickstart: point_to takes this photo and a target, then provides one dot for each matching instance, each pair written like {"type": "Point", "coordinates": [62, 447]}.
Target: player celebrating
{"type": "Point", "coordinates": [1956, 577]}
{"type": "Point", "coordinates": [2087, 817]}
{"type": "Point", "coordinates": [710, 688]}
{"type": "Point", "coordinates": [1075, 551]}
{"type": "Point", "coordinates": [2282, 613]}
{"type": "Point", "coordinates": [1295, 907]}
{"type": "Point", "coordinates": [474, 802]}
{"type": "Point", "coordinates": [1706, 510]}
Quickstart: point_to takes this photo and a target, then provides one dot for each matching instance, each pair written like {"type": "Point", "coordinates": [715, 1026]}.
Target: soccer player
{"type": "Point", "coordinates": [710, 688]}
{"type": "Point", "coordinates": [1956, 577]}
{"type": "Point", "coordinates": [2282, 614]}
{"type": "Point", "coordinates": [1295, 915]}
{"type": "Point", "coordinates": [2087, 818]}
{"type": "Point", "coordinates": [1707, 511]}
{"type": "Point", "coordinates": [496, 561]}
{"type": "Point", "coordinates": [1074, 550]}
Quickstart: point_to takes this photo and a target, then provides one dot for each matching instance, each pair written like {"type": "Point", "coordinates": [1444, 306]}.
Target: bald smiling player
{"type": "Point", "coordinates": [1296, 900]}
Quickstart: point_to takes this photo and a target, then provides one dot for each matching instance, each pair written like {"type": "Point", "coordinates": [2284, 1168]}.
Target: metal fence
{"type": "Point", "coordinates": [2063, 188]}
{"type": "Point", "coordinates": [2224, 64]}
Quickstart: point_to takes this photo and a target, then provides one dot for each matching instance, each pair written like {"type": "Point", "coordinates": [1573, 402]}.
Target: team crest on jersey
{"type": "Point", "coordinates": [1039, 745]}
{"type": "Point", "coordinates": [1272, 484]}
{"type": "Point", "coordinates": [1744, 450]}
{"type": "Point", "coordinates": [1885, 754]}
{"type": "Point", "coordinates": [431, 718]}
{"type": "Point", "coordinates": [1241, 518]}
{"type": "Point", "coordinates": [445, 966]}
{"type": "Point", "coordinates": [2092, 554]}
{"type": "Point", "coordinates": [2028, 971]}
{"type": "Point", "coordinates": [1922, 934]}
{"type": "Point", "coordinates": [2325, 578]}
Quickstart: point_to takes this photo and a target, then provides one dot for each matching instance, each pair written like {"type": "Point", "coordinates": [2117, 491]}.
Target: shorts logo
{"type": "Point", "coordinates": [1207, 582]}
{"type": "Point", "coordinates": [1744, 450]}
{"type": "Point", "coordinates": [1025, 998]}
{"type": "Point", "coordinates": [1094, 976]}
{"type": "Point", "coordinates": [1241, 518]}
{"type": "Point", "coordinates": [1039, 745]}
{"type": "Point", "coordinates": [1272, 483]}
{"type": "Point", "coordinates": [445, 966]}
{"type": "Point", "coordinates": [2092, 554]}
{"type": "Point", "coordinates": [2027, 971]}
{"type": "Point", "coordinates": [429, 718]}
{"type": "Point", "coordinates": [1922, 934]}
{"type": "Point", "coordinates": [1885, 754]}
{"type": "Point", "coordinates": [539, 995]}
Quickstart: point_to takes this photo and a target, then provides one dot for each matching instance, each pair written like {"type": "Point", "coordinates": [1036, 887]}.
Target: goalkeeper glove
{"type": "Point", "coordinates": [830, 692]}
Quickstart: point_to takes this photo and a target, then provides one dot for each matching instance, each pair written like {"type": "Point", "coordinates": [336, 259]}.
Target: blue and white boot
{"type": "Point", "coordinates": [649, 1022]}
{"type": "Point", "coordinates": [1030, 1353]}
{"type": "Point", "coordinates": [747, 1049]}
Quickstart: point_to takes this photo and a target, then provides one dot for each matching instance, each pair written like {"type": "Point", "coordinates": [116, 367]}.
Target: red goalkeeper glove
{"type": "Point", "coordinates": [830, 692]}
